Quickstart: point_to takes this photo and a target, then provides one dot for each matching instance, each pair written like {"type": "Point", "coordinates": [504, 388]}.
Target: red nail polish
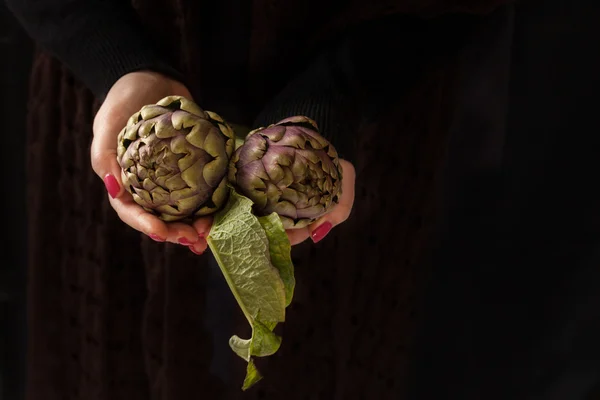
{"type": "Point", "coordinates": [321, 231]}
{"type": "Point", "coordinates": [193, 250]}
{"type": "Point", "coordinates": [156, 237]}
{"type": "Point", "coordinates": [184, 241]}
{"type": "Point", "coordinates": [112, 186]}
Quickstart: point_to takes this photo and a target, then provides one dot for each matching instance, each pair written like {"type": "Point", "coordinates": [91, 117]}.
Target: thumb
{"type": "Point", "coordinates": [126, 97]}
{"type": "Point", "coordinates": [104, 163]}
{"type": "Point", "coordinates": [340, 213]}
{"type": "Point", "coordinates": [104, 159]}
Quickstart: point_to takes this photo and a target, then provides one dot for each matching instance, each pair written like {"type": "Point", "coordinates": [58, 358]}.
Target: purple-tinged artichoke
{"type": "Point", "coordinates": [290, 169]}
{"type": "Point", "coordinates": [174, 158]}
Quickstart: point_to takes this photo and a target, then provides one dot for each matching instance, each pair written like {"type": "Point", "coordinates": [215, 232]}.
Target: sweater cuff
{"type": "Point", "coordinates": [100, 51]}
{"type": "Point", "coordinates": [108, 56]}
{"type": "Point", "coordinates": [105, 54]}
{"type": "Point", "coordinates": [318, 95]}
{"type": "Point", "coordinates": [319, 109]}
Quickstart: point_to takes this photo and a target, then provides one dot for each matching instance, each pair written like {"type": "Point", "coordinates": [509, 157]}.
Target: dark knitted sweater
{"type": "Point", "coordinates": [348, 76]}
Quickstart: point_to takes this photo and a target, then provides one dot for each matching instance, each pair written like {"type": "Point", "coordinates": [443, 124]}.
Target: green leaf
{"type": "Point", "coordinates": [241, 248]}
{"type": "Point", "coordinates": [280, 249]}
{"type": "Point", "coordinates": [252, 376]}
{"type": "Point", "coordinates": [254, 257]}
{"type": "Point", "coordinates": [240, 346]}
{"type": "Point", "coordinates": [264, 342]}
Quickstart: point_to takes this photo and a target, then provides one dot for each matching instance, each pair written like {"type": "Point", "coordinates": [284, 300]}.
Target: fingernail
{"type": "Point", "coordinates": [112, 186]}
{"type": "Point", "coordinates": [184, 241]}
{"type": "Point", "coordinates": [322, 231]}
{"type": "Point", "coordinates": [193, 250]}
{"type": "Point", "coordinates": [156, 237]}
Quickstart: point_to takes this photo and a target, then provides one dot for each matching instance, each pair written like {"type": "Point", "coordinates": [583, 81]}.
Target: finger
{"type": "Point", "coordinates": [297, 236]}
{"type": "Point", "coordinates": [104, 158]}
{"type": "Point", "coordinates": [341, 211]}
{"type": "Point", "coordinates": [181, 233]}
{"type": "Point", "coordinates": [199, 247]}
{"type": "Point", "coordinates": [202, 226]}
{"type": "Point", "coordinates": [106, 166]}
{"type": "Point", "coordinates": [139, 219]}
{"type": "Point", "coordinates": [202, 229]}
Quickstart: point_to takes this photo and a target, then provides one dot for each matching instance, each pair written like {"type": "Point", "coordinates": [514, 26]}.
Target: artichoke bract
{"type": "Point", "coordinates": [288, 168]}
{"type": "Point", "coordinates": [174, 158]}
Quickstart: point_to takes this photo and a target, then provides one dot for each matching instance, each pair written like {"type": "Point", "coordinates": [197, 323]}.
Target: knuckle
{"type": "Point", "coordinates": [340, 219]}
{"type": "Point", "coordinates": [343, 217]}
{"type": "Point", "coordinates": [97, 159]}
{"type": "Point", "coordinates": [121, 214]}
{"type": "Point", "coordinates": [126, 215]}
{"type": "Point", "coordinates": [341, 214]}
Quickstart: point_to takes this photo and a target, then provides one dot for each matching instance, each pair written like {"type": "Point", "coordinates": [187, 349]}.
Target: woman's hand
{"type": "Point", "coordinates": [126, 97]}
{"type": "Point", "coordinates": [340, 212]}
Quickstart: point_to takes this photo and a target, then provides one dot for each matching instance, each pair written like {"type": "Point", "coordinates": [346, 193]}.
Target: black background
{"type": "Point", "coordinates": [15, 55]}
{"type": "Point", "coordinates": [525, 230]}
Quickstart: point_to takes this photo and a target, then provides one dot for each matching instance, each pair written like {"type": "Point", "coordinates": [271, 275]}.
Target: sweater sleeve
{"type": "Point", "coordinates": [346, 85]}
{"type": "Point", "coordinates": [359, 76]}
{"type": "Point", "coordinates": [98, 40]}
{"type": "Point", "coordinates": [323, 93]}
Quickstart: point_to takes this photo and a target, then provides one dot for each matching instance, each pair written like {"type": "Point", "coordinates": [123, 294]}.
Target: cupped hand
{"type": "Point", "coordinates": [340, 212]}
{"type": "Point", "coordinates": [126, 97]}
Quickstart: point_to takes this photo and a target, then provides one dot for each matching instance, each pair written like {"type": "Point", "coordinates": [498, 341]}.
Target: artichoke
{"type": "Point", "coordinates": [174, 158]}
{"type": "Point", "coordinates": [290, 169]}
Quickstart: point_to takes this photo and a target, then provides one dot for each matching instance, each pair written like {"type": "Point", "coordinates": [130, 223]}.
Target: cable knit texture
{"type": "Point", "coordinates": [116, 316]}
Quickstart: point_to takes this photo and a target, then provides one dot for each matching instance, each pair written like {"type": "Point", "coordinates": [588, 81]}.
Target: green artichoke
{"type": "Point", "coordinates": [174, 158]}
{"type": "Point", "coordinates": [290, 169]}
